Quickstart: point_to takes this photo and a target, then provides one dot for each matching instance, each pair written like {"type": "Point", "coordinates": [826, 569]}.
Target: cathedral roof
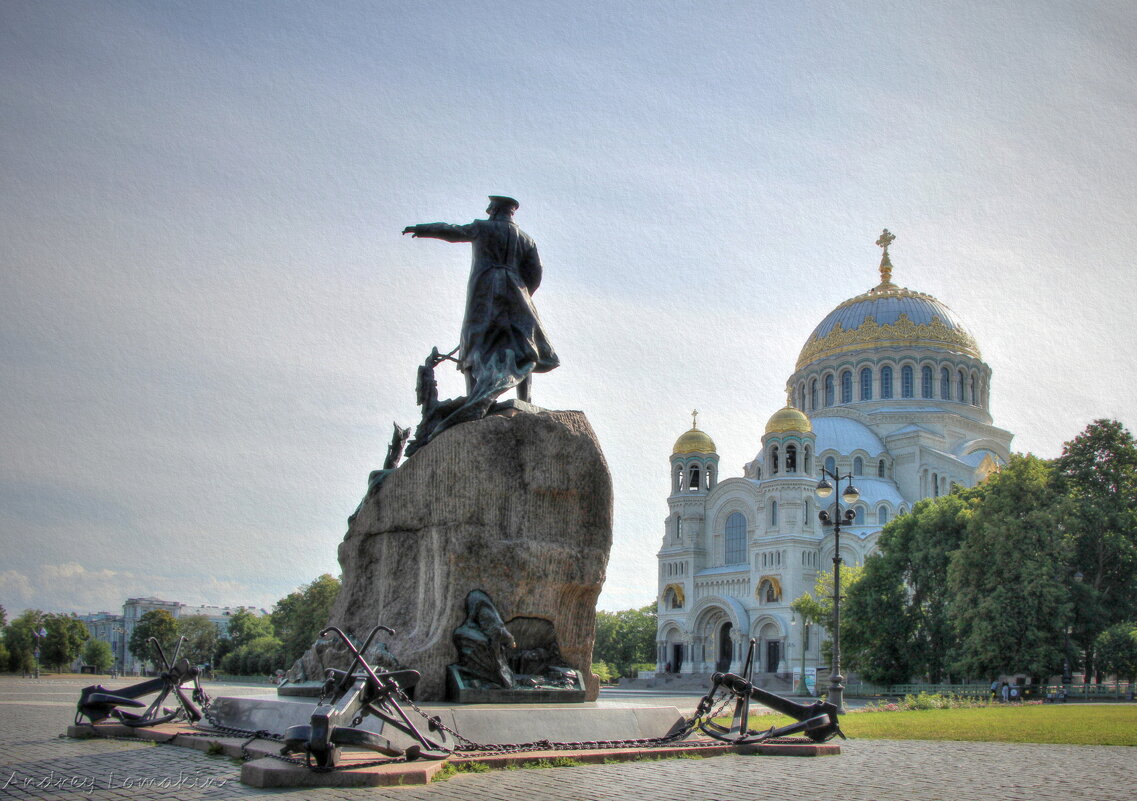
{"type": "Point", "coordinates": [887, 315]}
{"type": "Point", "coordinates": [694, 440]}
{"type": "Point", "coordinates": [788, 419]}
{"type": "Point", "coordinates": [845, 436]}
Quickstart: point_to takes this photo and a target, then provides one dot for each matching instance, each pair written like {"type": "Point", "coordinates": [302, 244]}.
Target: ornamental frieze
{"type": "Point", "coordinates": [870, 332]}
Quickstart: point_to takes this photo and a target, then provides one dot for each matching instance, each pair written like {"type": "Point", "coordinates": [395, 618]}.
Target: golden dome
{"type": "Point", "coordinates": [694, 441]}
{"type": "Point", "coordinates": [788, 419]}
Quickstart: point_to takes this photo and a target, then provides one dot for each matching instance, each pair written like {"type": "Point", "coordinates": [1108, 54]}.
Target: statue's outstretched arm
{"type": "Point", "coordinates": [451, 233]}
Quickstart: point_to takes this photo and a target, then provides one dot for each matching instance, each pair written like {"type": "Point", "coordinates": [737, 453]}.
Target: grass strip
{"type": "Point", "coordinates": [1066, 724]}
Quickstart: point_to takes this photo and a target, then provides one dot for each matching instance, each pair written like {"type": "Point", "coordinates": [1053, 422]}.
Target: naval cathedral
{"type": "Point", "coordinates": [890, 388]}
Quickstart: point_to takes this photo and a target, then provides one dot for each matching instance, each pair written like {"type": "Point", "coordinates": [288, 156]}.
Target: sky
{"type": "Point", "coordinates": [209, 319]}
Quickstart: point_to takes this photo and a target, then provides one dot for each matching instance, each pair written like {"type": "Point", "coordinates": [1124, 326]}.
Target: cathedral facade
{"type": "Point", "coordinates": [890, 389]}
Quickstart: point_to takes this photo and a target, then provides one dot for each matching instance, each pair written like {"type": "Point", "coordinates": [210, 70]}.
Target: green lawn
{"type": "Point", "coordinates": [1072, 724]}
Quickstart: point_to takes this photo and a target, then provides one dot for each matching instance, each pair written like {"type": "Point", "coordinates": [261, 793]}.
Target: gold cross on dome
{"type": "Point", "coordinates": [885, 240]}
{"type": "Point", "coordinates": [694, 415]}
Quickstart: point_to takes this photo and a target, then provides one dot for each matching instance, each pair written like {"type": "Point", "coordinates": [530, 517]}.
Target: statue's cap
{"type": "Point", "coordinates": [502, 200]}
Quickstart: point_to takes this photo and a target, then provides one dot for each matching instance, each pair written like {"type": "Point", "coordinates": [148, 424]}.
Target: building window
{"type": "Point", "coordinates": [807, 465]}
{"type": "Point", "coordinates": [773, 513]}
{"type": "Point", "coordinates": [962, 388]}
{"type": "Point", "coordinates": [880, 469]}
{"type": "Point", "coordinates": [858, 466]}
{"type": "Point", "coordinates": [829, 390]}
{"type": "Point", "coordinates": [693, 484]}
{"type": "Point", "coordinates": [791, 459]}
{"type": "Point", "coordinates": [735, 539]}
{"type": "Point", "coordinates": [812, 394]}
{"type": "Point", "coordinates": [974, 391]}
{"type": "Point", "coordinates": [926, 382]}
{"type": "Point", "coordinates": [830, 464]}
{"type": "Point", "coordinates": [906, 388]}
{"type": "Point", "coordinates": [859, 518]}
{"type": "Point", "coordinates": [881, 515]}
{"type": "Point", "coordinates": [945, 384]}
{"type": "Point", "coordinates": [847, 387]}
{"type": "Point", "coordinates": [866, 384]}
{"type": "Point", "coordinates": [774, 461]}
{"type": "Point", "coordinates": [886, 383]}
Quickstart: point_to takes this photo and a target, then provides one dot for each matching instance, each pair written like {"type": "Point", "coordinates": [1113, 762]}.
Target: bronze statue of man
{"type": "Point", "coordinates": [503, 341]}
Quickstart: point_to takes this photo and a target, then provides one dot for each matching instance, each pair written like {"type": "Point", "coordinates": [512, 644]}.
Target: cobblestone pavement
{"type": "Point", "coordinates": [36, 763]}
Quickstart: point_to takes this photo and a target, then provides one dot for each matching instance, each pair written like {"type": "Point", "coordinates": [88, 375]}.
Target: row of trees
{"type": "Point", "coordinates": [1034, 571]}
{"type": "Point", "coordinates": [254, 644]}
{"type": "Point", "coordinates": [60, 639]}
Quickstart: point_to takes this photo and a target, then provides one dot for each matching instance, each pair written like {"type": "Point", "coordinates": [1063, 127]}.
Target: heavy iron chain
{"type": "Point", "coordinates": [469, 748]}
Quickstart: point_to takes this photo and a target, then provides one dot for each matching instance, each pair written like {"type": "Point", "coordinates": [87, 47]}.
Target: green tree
{"type": "Point", "coordinates": [244, 627]}
{"type": "Point", "coordinates": [896, 624]}
{"type": "Point", "coordinates": [625, 638]}
{"type": "Point", "coordinates": [66, 635]}
{"type": "Point", "coordinates": [98, 654]}
{"type": "Point", "coordinates": [1010, 605]}
{"type": "Point", "coordinates": [1116, 650]}
{"type": "Point", "coordinates": [260, 656]}
{"type": "Point", "coordinates": [298, 617]}
{"type": "Point", "coordinates": [1097, 473]}
{"type": "Point", "coordinates": [20, 640]}
{"type": "Point", "coordinates": [159, 624]}
{"type": "Point", "coordinates": [201, 638]}
{"type": "Point", "coordinates": [817, 607]}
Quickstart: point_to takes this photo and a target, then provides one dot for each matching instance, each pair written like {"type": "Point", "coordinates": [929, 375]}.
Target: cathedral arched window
{"type": "Point", "coordinates": [847, 386]}
{"type": "Point", "coordinates": [945, 384]}
{"type": "Point", "coordinates": [735, 539]}
{"type": "Point", "coordinates": [830, 464]}
{"type": "Point", "coordinates": [881, 515]}
{"type": "Point", "coordinates": [926, 382]}
{"type": "Point", "coordinates": [693, 482]}
{"type": "Point", "coordinates": [974, 390]}
{"type": "Point", "coordinates": [880, 469]}
{"type": "Point", "coordinates": [935, 485]}
{"type": "Point", "coordinates": [710, 472]}
{"type": "Point", "coordinates": [886, 382]}
{"type": "Point", "coordinates": [829, 389]}
{"type": "Point", "coordinates": [859, 515]}
{"type": "Point", "coordinates": [677, 483]}
{"type": "Point", "coordinates": [791, 459]}
{"type": "Point", "coordinates": [866, 384]}
{"type": "Point", "coordinates": [906, 388]}
{"type": "Point", "coordinates": [773, 513]}
{"type": "Point", "coordinates": [858, 466]}
{"type": "Point", "coordinates": [807, 462]}
{"type": "Point", "coordinates": [812, 394]}
{"type": "Point", "coordinates": [774, 461]}
{"type": "Point", "coordinates": [960, 392]}
{"type": "Point", "coordinates": [801, 395]}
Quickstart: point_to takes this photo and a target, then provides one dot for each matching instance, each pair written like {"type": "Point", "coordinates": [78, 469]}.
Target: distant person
{"type": "Point", "coordinates": [1006, 692]}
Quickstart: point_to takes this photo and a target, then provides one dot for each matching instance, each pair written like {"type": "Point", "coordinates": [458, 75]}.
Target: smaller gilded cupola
{"type": "Point", "coordinates": [694, 461]}
{"type": "Point", "coordinates": [788, 444]}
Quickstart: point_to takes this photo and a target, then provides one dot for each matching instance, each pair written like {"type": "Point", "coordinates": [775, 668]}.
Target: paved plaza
{"type": "Point", "coordinates": [37, 763]}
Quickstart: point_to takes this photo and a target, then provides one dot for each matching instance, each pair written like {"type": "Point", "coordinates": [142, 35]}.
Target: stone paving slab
{"type": "Point", "coordinates": [37, 763]}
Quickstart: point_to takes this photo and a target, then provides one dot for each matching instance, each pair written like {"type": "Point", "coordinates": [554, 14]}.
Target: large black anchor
{"type": "Point", "coordinates": [97, 703]}
{"type": "Point", "coordinates": [356, 694]}
{"type": "Point", "coordinates": [817, 721]}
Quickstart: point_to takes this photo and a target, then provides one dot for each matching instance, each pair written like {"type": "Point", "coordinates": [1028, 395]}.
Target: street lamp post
{"type": "Point", "coordinates": [850, 496]}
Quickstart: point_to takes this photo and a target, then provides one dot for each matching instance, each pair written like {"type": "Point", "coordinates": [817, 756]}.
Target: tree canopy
{"type": "Point", "coordinates": [159, 624]}
{"type": "Point", "coordinates": [298, 617]}
{"type": "Point", "coordinates": [625, 638]}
